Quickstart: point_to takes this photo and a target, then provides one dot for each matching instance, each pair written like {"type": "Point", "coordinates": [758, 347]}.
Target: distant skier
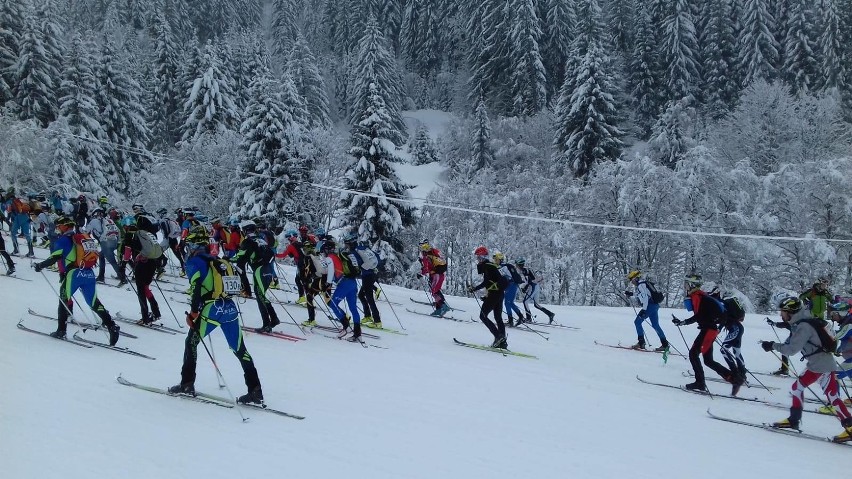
{"type": "Point", "coordinates": [139, 248]}
{"type": "Point", "coordinates": [77, 255]}
{"type": "Point", "coordinates": [530, 292]}
{"type": "Point", "coordinates": [514, 280]}
{"type": "Point", "coordinates": [433, 266]}
{"type": "Point", "coordinates": [367, 262]}
{"type": "Point", "coordinates": [341, 273]}
{"type": "Point", "coordinates": [256, 252]}
{"type": "Point", "coordinates": [495, 285]}
{"type": "Point", "coordinates": [649, 309]}
{"type": "Point", "coordinates": [211, 307]}
{"type": "Point", "coordinates": [804, 338]}
{"type": "Point", "coordinates": [707, 312]}
{"type": "Point", "coordinates": [10, 265]}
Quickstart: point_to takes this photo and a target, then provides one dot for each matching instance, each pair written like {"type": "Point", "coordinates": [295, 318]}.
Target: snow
{"type": "Point", "coordinates": [424, 178]}
{"type": "Point", "coordinates": [423, 408]}
{"type": "Point", "coordinates": [436, 122]}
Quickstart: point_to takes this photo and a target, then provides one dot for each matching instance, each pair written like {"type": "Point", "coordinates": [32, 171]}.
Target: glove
{"type": "Point", "coordinates": [628, 293]}
{"type": "Point", "coordinates": [770, 322]}
{"type": "Point", "coordinates": [190, 319]}
{"type": "Point", "coordinates": [471, 289]}
{"type": "Point", "coordinates": [767, 345]}
{"type": "Point", "coordinates": [643, 314]}
{"type": "Point", "coordinates": [524, 290]}
{"type": "Point", "coordinates": [37, 267]}
{"type": "Point", "coordinates": [676, 322]}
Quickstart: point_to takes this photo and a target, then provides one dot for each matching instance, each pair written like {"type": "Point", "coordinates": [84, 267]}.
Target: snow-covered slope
{"type": "Point", "coordinates": [423, 408]}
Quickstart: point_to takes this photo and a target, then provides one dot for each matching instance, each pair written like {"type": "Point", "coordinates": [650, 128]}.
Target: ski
{"type": "Point", "coordinates": [429, 303]}
{"type": "Point", "coordinates": [450, 318]}
{"type": "Point", "coordinates": [349, 339]}
{"type": "Point", "coordinates": [114, 348]}
{"type": "Point", "coordinates": [770, 428]}
{"type": "Point", "coordinates": [727, 396]}
{"type": "Point", "coordinates": [12, 276]}
{"type": "Point", "coordinates": [337, 330]}
{"type": "Point", "coordinates": [504, 352]}
{"type": "Point", "coordinates": [274, 334]}
{"type": "Point", "coordinates": [554, 325]}
{"type": "Point", "coordinates": [69, 341]}
{"type": "Point", "coordinates": [199, 397]}
{"type": "Point", "coordinates": [92, 326]}
{"type": "Point", "coordinates": [136, 322]}
{"type": "Point", "coordinates": [629, 348]}
{"type": "Point", "coordinates": [688, 374]}
{"type": "Point", "coordinates": [384, 329]}
{"type": "Point", "coordinates": [523, 327]}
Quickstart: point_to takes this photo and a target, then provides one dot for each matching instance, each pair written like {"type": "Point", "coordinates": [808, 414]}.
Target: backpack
{"type": "Point", "coordinates": [369, 258]}
{"type": "Point", "coordinates": [86, 251]}
{"type": "Point", "coordinates": [828, 344]}
{"type": "Point", "coordinates": [516, 277]}
{"type": "Point", "coordinates": [225, 281]}
{"type": "Point", "coordinates": [349, 265]}
{"type": "Point", "coordinates": [656, 295]}
{"type": "Point", "coordinates": [110, 229]}
{"type": "Point", "coordinates": [35, 206]}
{"type": "Point", "coordinates": [20, 205]}
{"type": "Point", "coordinates": [734, 309]}
{"type": "Point", "coordinates": [320, 269]}
{"type": "Point", "coordinates": [151, 249]}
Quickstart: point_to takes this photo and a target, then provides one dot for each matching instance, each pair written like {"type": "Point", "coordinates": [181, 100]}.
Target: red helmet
{"type": "Point", "coordinates": [303, 229]}
{"type": "Point", "coordinates": [482, 251]}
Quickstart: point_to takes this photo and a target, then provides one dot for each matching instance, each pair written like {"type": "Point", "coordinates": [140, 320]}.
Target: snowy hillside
{"type": "Point", "coordinates": [421, 408]}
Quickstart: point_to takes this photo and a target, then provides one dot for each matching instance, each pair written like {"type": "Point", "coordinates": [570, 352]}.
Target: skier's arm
{"type": "Point", "coordinates": [643, 295]}
{"type": "Point", "coordinates": [794, 344]}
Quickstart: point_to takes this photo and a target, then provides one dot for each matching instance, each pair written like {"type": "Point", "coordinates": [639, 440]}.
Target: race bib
{"type": "Point", "coordinates": [90, 246]}
{"type": "Point", "coordinates": [231, 284]}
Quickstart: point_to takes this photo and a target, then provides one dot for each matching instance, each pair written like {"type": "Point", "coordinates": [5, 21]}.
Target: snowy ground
{"type": "Point", "coordinates": [424, 408]}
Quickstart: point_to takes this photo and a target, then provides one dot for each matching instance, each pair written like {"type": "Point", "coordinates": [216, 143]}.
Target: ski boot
{"type": "Point", "coordinates": [265, 329]}
{"type": "Point", "coordinates": [550, 317]}
{"type": "Point", "coordinates": [100, 279]}
{"type": "Point", "coordinates": [663, 347]}
{"type": "Point", "coordinates": [274, 285]}
{"type": "Point", "coordinates": [302, 300]}
{"type": "Point", "coordinates": [58, 334]}
{"type": "Point", "coordinates": [310, 323]}
{"type": "Point", "coordinates": [510, 323]}
{"type": "Point", "coordinates": [160, 273]}
{"type": "Point", "coordinates": [639, 345]}
{"type": "Point", "coordinates": [500, 343]}
{"type": "Point", "coordinates": [846, 435]}
{"type": "Point", "coordinates": [182, 389]}
{"type": "Point", "coordinates": [346, 329]}
{"type": "Point", "coordinates": [782, 371]}
{"type": "Point", "coordinates": [356, 334]}
{"type": "Point", "coordinates": [786, 424]}
{"type": "Point", "coordinates": [367, 320]}
{"type": "Point", "coordinates": [11, 270]}
{"type": "Point", "coordinates": [444, 309]}
{"type": "Point", "coordinates": [274, 322]}
{"type": "Point", "coordinates": [254, 398]}
{"type": "Point", "coordinates": [113, 333]}
{"type": "Point", "coordinates": [737, 382]}
{"type": "Point", "coordinates": [696, 386]}
{"type": "Point", "coordinates": [828, 410]}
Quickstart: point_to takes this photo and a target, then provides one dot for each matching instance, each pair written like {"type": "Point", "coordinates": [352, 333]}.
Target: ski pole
{"type": "Point", "coordinates": [793, 367]}
{"type": "Point", "coordinates": [533, 330]}
{"type": "Point", "coordinates": [213, 356]}
{"type": "Point", "coordinates": [168, 305]}
{"type": "Point", "coordinates": [428, 290]}
{"type": "Point", "coordinates": [382, 291]}
{"type": "Point", "coordinates": [63, 303]}
{"type": "Point", "coordinates": [728, 354]}
{"type": "Point", "coordinates": [218, 371]}
{"type": "Point", "coordinates": [670, 344]}
{"type": "Point", "coordinates": [288, 312]}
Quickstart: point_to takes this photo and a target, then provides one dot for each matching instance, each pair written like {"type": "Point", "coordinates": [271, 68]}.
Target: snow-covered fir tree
{"type": "Point", "coordinates": [481, 154]}
{"type": "Point", "coordinates": [377, 219]}
{"type": "Point", "coordinates": [490, 60]}
{"type": "Point", "coordinates": [65, 171]}
{"type": "Point", "coordinates": [423, 149]}
{"type": "Point", "coordinates": [302, 67]}
{"type": "Point", "coordinates": [12, 22]}
{"type": "Point", "coordinates": [758, 48]}
{"type": "Point", "coordinates": [79, 108]}
{"type": "Point", "coordinates": [419, 37]}
{"type": "Point", "coordinates": [528, 77]}
{"type": "Point", "coordinates": [834, 55]}
{"type": "Point", "coordinates": [390, 13]}
{"type": "Point", "coordinates": [720, 84]}
{"type": "Point", "coordinates": [122, 117]}
{"type": "Point", "coordinates": [210, 101]}
{"type": "Point", "coordinates": [375, 69]}
{"type": "Point", "coordinates": [270, 138]}
{"type": "Point", "coordinates": [681, 49]}
{"type": "Point", "coordinates": [35, 74]}
{"type": "Point", "coordinates": [586, 132]}
{"type": "Point", "coordinates": [673, 134]}
{"type": "Point", "coordinates": [558, 28]}
{"type": "Point", "coordinates": [284, 26]}
{"type": "Point", "coordinates": [646, 84]}
{"type": "Point", "coordinates": [166, 104]}
{"type": "Point", "coordinates": [800, 65]}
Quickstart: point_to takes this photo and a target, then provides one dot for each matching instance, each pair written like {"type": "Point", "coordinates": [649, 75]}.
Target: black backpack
{"type": "Point", "coordinates": [656, 295]}
{"type": "Point", "coordinates": [734, 309]}
{"type": "Point", "coordinates": [827, 342]}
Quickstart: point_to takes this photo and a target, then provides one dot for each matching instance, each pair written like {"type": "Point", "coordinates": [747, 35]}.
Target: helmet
{"type": "Point", "coordinates": [309, 248]}
{"type": "Point", "coordinates": [216, 221]}
{"type": "Point", "coordinates": [425, 246]}
{"type": "Point", "coordinates": [103, 200]}
{"type": "Point", "coordinates": [328, 246]}
{"type": "Point", "coordinates": [840, 306]}
{"type": "Point", "coordinates": [82, 197]}
{"type": "Point", "coordinates": [291, 234]}
{"type": "Point", "coordinates": [98, 210]}
{"type": "Point", "coordinates": [189, 213]}
{"type": "Point", "coordinates": [65, 221]}
{"type": "Point", "coordinates": [162, 212]}
{"type": "Point", "coordinates": [521, 261]}
{"type": "Point", "coordinates": [178, 211]}
{"type": "Point", "coordinates": [633, 275]}
{"type": "Point", "coordinates": [692, 282]}
{"type": "Point", "coordinates": [790, 304]}
{"type": "Point", "coordinates": [303, 229]}
{"type": "Point", "coordinates": [138, 208]}
{"type": "Point", "coordinates": [197, 237]}
{"type": "Point", "coordinates": [498, 257]}
{"type": "Point", "coordinates": [248, 225]}
{"type": "Point", "coordinates": [128, 221]}
{"type": "Point", "coordinates": [350, 238]}
{"type": "Point", "coordinates": [481, 252]}
{"type": "Point", "coordinates": [320, 232]}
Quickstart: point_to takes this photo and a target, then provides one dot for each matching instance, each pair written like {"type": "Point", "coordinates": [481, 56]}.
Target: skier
{"type": "Point", "coordinates": [211, 307]}
{"type": "Point", "coordinates": [341, 274]}
{"type": "Point", "coordinates": [44, 223]}
{"type": "Point", "coordinates": [256, 252]}
{"type": "Point", "coordinates": [233, 237]}
{"type": "Point", "coordinates": [313, 276]}
{"type": "Point", "coordinates": [514, 279]}
{"type": "Point", "coordinates": [530, 291]}
{"type": "Point", "coordinates": [76, 254]}
{"type": "Point", "coordinates": [433, 266]}
{"type": "Point", "coordinates": [171, 232]}
{"type": "Point", "coordinates": [10, 265]}
{"type": "Point", "coordinates": [367, 262]}
{"type": "Point", "coordinates": [649, 310]}
{"type": "Point", "coordinates": [819, 368]}
{"type": "Point", "coordinates": [843, 317]}
{"type": "Point", "coordinates": [732, 344]}
{"type": "Point", "coordinates": [707, 312]}
{"type": "Point", "coordinates": [136, 250]}
{"type": "Point", "coordinates": [495, 285]}
{"type": "Point", "coordinates": [106, 232]}
{"type": "Point", "coordinates": [81, 214]}
{"type": "Point", "coordinates": [294, 250]}
{"type": "Point", "coordinates": [19, 214]}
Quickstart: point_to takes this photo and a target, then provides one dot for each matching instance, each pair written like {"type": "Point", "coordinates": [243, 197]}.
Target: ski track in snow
{"type": "Point", "coordinates": [425, 408]}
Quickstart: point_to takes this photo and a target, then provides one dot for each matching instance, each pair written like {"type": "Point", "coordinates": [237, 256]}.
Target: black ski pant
{"type": "Point", "coordinates": [731, 349]}
{"type": "Point", "coordinates": [173, 245]}
{"type": "Point", "coordinates": [493, 302]}
{"type": "Point", "coordinates": [313, 289]}
{"type": "Point", "coordinates": [368, 300]}
{"type": "Point", "coordinates": [143, 275]}
{"type": "Point", "coordinates": [703, 345]}
{"type": "Point", "coordinates": [5, 254]}
{"type": "Point", "coordinates": [262, 280]}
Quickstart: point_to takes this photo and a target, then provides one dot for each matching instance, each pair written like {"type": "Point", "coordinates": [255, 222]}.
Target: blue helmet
{"type": "Point", "coordinates": [128, 221]}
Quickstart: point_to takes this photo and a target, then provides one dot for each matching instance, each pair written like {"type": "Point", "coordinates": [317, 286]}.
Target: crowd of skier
{"type": "Point", "coordinates": [217, 258]}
